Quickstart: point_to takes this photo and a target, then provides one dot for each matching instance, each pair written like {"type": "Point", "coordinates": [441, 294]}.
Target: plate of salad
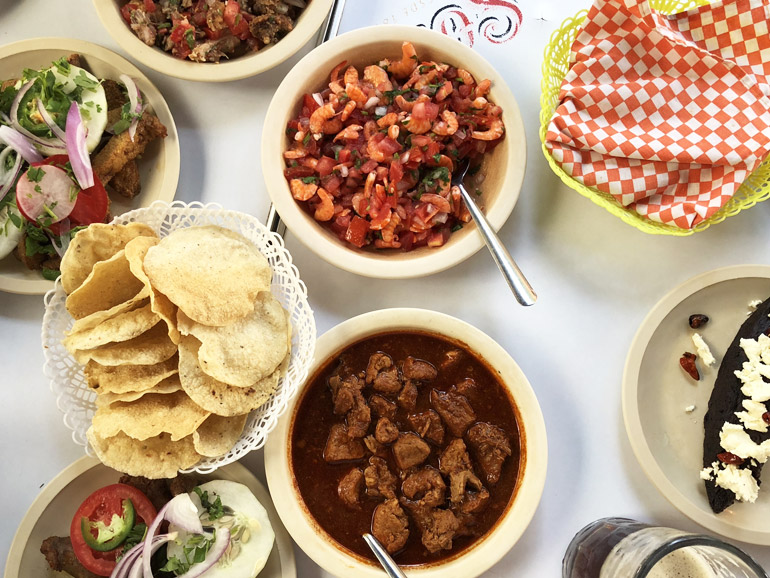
{"type": "Point", "coordinates": [88, 521]}
{"type": "Point", "coordinates": [84, 136]}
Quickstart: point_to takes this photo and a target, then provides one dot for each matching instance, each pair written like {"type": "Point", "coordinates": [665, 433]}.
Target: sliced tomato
{"type": "Point", "coordinates": [235, 21]}
{"type": "Point", "coordinates": [90, 207]}
{"type": "Point", "coordinates": [100, 507]}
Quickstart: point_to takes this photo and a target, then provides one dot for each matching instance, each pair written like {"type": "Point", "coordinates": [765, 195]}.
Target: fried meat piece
{"type": "Point", "coordinates": [61, 557]}
{"type": "Point", "coordinates": [126, 181]}
{"type": "Point", "coordinates": [120, 149]}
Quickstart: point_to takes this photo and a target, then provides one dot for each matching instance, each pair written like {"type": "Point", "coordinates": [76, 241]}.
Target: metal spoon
{"type": "Point", "coordinates": [519, 285]}
{"type": "Point", "coordinates": [391, 568]}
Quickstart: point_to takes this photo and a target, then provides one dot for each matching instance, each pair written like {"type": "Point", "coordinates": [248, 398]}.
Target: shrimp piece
{"type": "Point", "coordinates": [404, 67]}
{"type": "Point", "coordinates": [495, 131]}
{"type": "Point", "coordinates": [301, 190]}
{"type": "Point", "coordinates": [350, 132]}
{"type": "Point", "coordinates": [295, 153]}
{"type": "Point", "coordinates": [356, 94]}
{"type": "Point", "coordinates": [393, 131]}
{"type": "Point", "coordinates": [483, 88]}
{"type": "Point", "coordinates": [369, 185]}
{"type": "Point", "coordinates": [348, 110]}
{"type": "Point", "coordinates": [388, 232]}
{"type": "Point", "coordinates": [351, 75]}
{"type": "Point", "coordinates": [417, 125]}
{"type": "Point", "coordinates": [334, 78]}
{"type": "Point", "coordinates": [444, 91]}
{"type": "Point", "coordinates": [370, 129]}
{"type": "Point", "coordinates": [319, 118]}
{"type": "Point", "coordinates": [373, 152]}
{"type": "Point", "coordinates": [437, 201]}
{"type": "Point", "coordinates": [378, 78]}
{"type": "Point", "coordinates": [408, 105]}
{"type": "Point", "coordinates": [479, 103]}
{"type": "Point", "coordinates": [388, 120]}
{"type": "Point", "coordinates": [325, 209]}
{"type": "Point", "coordinates": [358, 200]}
{"type": "Point", "coordinates": [448, 124]}
{"type": "Point", "coordinates": [446, 162]}
{"type": "Point", "coordinates": [466, 77]}
{"type": "Point", "coordinates": [419, 80]}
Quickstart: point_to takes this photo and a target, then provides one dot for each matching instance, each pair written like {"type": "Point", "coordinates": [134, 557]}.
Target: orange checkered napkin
{"type": "Point", "coordinates": [669, 114]}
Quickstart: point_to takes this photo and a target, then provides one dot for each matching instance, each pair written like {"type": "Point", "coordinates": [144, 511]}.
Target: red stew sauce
{"type": "Point", "coordinates": [469, 447]}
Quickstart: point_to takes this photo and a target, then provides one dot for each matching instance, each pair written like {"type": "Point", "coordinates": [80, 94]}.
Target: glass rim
{"type": "Point", "coordinates": [697, 540]}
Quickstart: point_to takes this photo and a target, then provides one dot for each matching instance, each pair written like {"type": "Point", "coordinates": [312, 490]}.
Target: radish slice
{"type": "Point", "coordinates": [45, 192]}
{"type": "Point", "coordinates": [76, 148]}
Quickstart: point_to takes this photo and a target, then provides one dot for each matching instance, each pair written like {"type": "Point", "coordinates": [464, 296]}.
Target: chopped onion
{"type": "Point", "coordinates": [441, 218]}
{"type": "Point", "coordinates": [135, 102]}
{"type": "Point", "coordinates": [76, 148]}
{"type": "Point", "coordinates": [50, 122]}
{"type": "Point", "coordinates": [343, 171]}
{"type": "Point", "coordinates": [461, 134]}
{"type": "Point", "coordinates": [381, 110]}
{"type": "Point", "coordinates": [371, 102]}
{"type": "Point", "coordinates": [54, 143]}
{"type": "Point", "coordinates": [218, 548]}
{"type": "Point", "coordinates": [405, 157]}
{"type": "Point", "coordinates": [318, 99]}
{"type": "Point", "coordinates": [10, 177]}
{"type": "Point", "coordinates": [21, 145]}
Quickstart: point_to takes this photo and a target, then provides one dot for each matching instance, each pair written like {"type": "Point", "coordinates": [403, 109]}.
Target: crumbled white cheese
{"type": "Point", "coordinates": [739, 481]}
{"type": "Point", "coordinates": [752, 417]}
{"type": "Point", "coordinates": [703, 349]}
{"type": "Point", "coordinates": [707, 474]}
{"type": "Point", "coordinates": [734, 439]}
{"type": "Point", "coordinates": [689, 409]}
{"type": "Point", "coordinates": [754, 304]}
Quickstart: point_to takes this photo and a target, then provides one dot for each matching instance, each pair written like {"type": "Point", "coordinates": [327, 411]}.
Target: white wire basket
{"type": "Point", "coordinates": [77, 401]}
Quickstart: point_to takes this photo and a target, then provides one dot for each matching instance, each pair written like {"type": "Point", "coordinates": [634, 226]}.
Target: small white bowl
{"type": "Point", "coordinates": [242, 67]}
{"type": "Point", "coordinates": [503, 167]}
{"type": "Point", "coordinates": [488, 549]}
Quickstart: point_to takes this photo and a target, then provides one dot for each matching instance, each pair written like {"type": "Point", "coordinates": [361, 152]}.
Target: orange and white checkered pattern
{"type": "Point", "coordinates": [669, 114]}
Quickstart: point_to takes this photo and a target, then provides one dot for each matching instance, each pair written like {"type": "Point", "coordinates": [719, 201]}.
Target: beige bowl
{"type": "Point", "coordinates": [503, 167]}
{"type": "Point", "coordinates": [244, 66]}
{"type": "Point", "coordinates": [490, 548]}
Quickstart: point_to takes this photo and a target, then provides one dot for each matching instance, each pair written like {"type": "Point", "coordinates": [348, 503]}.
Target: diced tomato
{"type": "Point", "coordinates": [127, 9]}
{"type": "Point", "coordinates": [421, 140]}
{"type": "Point", "coordinates": [357, 231]}
{"type": "Point", "coordinates": [396, 172]}
{"type": "Point", "coordinates": [433, 149]}
{"type": "Point", "coordinates": [438, 238]}
{"type": "Point", "coordinates": [235, 21]}
{"type": "Point", "coordinates": [149, 5]}
{"type": "Point", "coordinates": [345, 156]}
{"type": "Point", "coordinates": [310, 104]}
{"type": "Point", "coordinates": [382, 215]}
{"type": "Point", "coordinates": [181, 34]}
{"type": "Point", "coordinates": [331, 183]}
{"type": "Point", "coordinates": [368, 166]}
{"type": "Point", "coordinates": [407, 239]}
{"type": "Point", "coordinates": [340, 225]}
{"type": "Point", "coordinates": [298, 172]}
{"type": "Point", "coordinates": [325, 166]}
{"type": "Point", "coordinates": [388, 146]}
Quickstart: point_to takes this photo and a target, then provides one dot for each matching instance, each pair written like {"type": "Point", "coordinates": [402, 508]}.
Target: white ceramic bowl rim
{"type": "Point", "coordinates": [527, 495]}
{"type": "Point", "coordinates": [242, 67]}
{"type": "Point", "coordinates": [398, 265]}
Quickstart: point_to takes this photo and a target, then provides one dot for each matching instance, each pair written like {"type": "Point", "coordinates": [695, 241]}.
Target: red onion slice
{"type": "Point", "coordinates": [135, 102]}
{"type": "Point", "coordinates": [131, 560]}
{"type": "Point", "coordinates": [76, 148]}
{"type": "Point", "coordinates": [46, 142]}
{"type": "Point", "coordinates": [49, 121]}
{"type": "Point", "coordinates": [10, 176]}
{"type": "Point", "coordinates": [180, 511]}
{"type": "Point", "coordinates": [21, 145]}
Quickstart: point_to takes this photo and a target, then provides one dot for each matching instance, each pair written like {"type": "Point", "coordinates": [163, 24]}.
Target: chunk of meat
{"type": "Point", "coordinates": [340, 447]}
{"type": "Point", "coordinates": [425, 486]}
{"type": "Point", "coordinates": [377, 362]}
{"type": "Point", "coordinates": [467, 387]}
{"type": "Point", "coordinates": [116, 98]}
{"type": "Point", "coordinates": [344, 392]}
{"type": "Point", "coordinates": [387, 381]}
{"type": "Point", "coordinates": [61, 557]}
{"type": "Point", "coordinates": [491, 446]}
{"type": "Point", "coordinates": [390, 525]}
{"type": "Point", "coordinates": [375, 447]}
{"type": "Point", "coordinates": [418, 369]}
{"type": "Point", "coordinates": [383, 407]}
{"type": "Point", "coordinates": [350, 486]}
{"type": "Point", "coordinates": [127, 182]}
{"type": "Point", "coordinates": [380, 481]}
{"type": "Point", "coordinates": [454, 409]}
{"type": "Point", "coordinates": [439, 529]}
{"type": "Point", "coordinates": [120, 149]}
{"type": "Point", "coordinates": [408, 396]}
{"type": "Point", "coordinates": [161, 491]}
{"type": "Point", "coordinates": [450, 358]}
{"type": "Point", "coordinates": [385, 431]}
{"type": "Point", "coordinates": [428, 425]}
{"type": "Point", "coordinates": [359, 417]}
{"type": "Point", "coordinates": [410, 450]}
{"type": "Point", "coordinates": [270, 28]}
{"type": "Point", "coordinates": [455, 462]}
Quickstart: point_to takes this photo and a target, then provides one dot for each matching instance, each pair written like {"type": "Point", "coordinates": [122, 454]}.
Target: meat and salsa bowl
{"type": "Point", "coordinates": [362, 137]}
{"type": "Point", "coordinates": [214, 41]}
{"type": "Point", "coordinates": [418, 428]}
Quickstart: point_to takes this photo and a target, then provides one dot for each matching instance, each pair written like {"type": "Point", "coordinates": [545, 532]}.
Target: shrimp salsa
{"type": "Point", "coordinates": [210, 30]}
{"type": "Point", "coordinates": [372, 155]}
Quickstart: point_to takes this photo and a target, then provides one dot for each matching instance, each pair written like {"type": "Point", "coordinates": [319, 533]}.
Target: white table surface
{"type": "Point", "coordinates": [596, 278]}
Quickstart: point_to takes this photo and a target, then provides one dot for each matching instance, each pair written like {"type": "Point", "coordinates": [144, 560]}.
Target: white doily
{"type": "Point", "coordinates": [77, 400]}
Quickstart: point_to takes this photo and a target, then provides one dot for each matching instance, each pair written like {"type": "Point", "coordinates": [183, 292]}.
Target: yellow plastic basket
{"type": "Point", "coordinates": [755, 189]}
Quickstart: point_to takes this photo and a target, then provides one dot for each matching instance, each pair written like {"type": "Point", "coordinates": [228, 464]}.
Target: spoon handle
{"type": "Point", "coordinates": [390, 567]}
{"type": "Point", "coordinates": [519, 285]}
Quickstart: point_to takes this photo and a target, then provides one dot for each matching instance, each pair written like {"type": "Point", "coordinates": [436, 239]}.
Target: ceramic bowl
{"type": "Point", "coordinates": [242, 67]}
{"type": "Point", "coordinates": [534, 451]}
{"type": "Point", "coordinates": [503, 167]}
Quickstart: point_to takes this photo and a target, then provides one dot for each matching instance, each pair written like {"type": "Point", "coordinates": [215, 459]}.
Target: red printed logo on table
{"type": "Point", "coordinates": [495, 21]}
